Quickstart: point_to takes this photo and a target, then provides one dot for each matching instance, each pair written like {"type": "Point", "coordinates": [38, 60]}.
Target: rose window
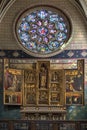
{"type": "Point", "coordinates": [43, 32]}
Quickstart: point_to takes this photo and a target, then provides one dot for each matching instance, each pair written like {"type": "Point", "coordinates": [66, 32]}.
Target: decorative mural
{"type": "Point", "coordinates": [66, 54]}
{"type": "Point", "coordinates": [77, 113]}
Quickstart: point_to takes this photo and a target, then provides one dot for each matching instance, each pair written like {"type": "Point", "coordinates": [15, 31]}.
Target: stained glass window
{"type": "Point", "coordinates": [43, 32]}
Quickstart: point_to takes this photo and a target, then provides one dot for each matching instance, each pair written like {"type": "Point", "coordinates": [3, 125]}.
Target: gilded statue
{"type": "Point", "coordinates": [43, 76]}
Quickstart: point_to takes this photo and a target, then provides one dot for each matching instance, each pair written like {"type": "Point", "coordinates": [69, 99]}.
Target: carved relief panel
{"type": "Point", "coordinates": [43, 74]}
{"type": "Point", "coordinates": [43, 86]}
{"type": "Point", "coordinates": [29, 87]}
{"type": "Point", "coordinates": [43, 82]}
{"type": "Point", "coordinates": [57, 90]}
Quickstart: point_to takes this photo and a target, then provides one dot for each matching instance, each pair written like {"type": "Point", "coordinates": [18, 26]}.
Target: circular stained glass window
{"type": "Point", "coordinates": [42, 31]}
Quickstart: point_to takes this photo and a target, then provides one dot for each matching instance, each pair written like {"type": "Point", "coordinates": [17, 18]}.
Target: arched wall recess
{"type": "Point", "coordinates": [84, 5]}
{"type": "Point", "coordinates": [11, 2]}
{"type": "Point", "coordinates": [42, 31]}
{"type": "Point", "coordinates": [4, 10]}
{"type": "Point", "coordinates": [15, 8]}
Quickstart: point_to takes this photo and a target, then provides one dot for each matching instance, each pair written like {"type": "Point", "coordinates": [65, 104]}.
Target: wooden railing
{"type": "Point", "coordinates": [42, 125]}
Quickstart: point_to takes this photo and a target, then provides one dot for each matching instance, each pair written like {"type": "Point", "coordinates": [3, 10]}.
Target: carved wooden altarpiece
{"type": "Point", "coordinates": [43, 91]}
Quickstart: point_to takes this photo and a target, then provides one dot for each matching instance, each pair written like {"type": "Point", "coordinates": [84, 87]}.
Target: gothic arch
{"type": "Point", "coordinates": [4, 6]}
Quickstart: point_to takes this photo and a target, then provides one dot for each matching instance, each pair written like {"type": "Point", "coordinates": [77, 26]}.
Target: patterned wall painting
{"type": "Point", "coordinates": [66, 54]}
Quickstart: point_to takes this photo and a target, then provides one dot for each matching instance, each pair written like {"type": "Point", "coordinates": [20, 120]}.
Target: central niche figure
{"type": "Point", "coordinates": [43, 76]}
